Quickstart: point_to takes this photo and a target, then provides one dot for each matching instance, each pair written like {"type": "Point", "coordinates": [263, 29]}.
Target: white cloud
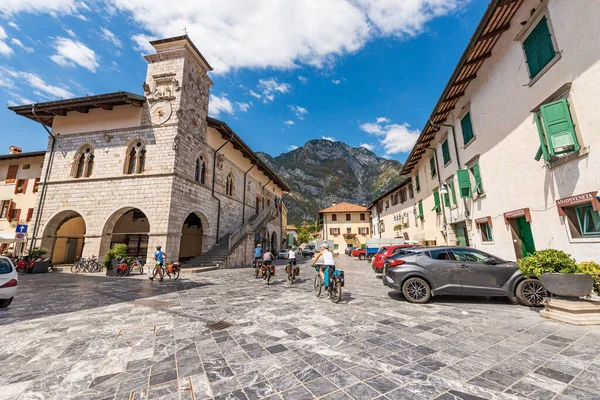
{"type": "Point", "coordinates": [336, 81]}
{"type": "Point", "coordinates": [274, 33]}
{"type": "Point", "coordinates": [289, 122]}
{"type": "Point", "coordinates": [35, 83]}
{"type": "Point", "coordinates": [13, 25]}
{"type": "Point", "coordinates": [3, 34]}
{"type": "Point", "coordinates": [367, 146]}
{"type": "Point", "coordinates": [19, 99]}
{"type": "Point", "coordinates": [21, 45]}
{"type": "Point", "coordinates": [292, 147]}
{"type": "Point", "coordinates": [110, 37]}
{"type": "Point", "coordinates": [268, 88]}
{"type": "Point", "coordinates": [299, 111]}
{"type": "Point", "coordinates": [243, 106]}
{"type": "Point", "coordinates": [394, 138]}
{"type": "Point", "coordinates": [70, 33]}
{"type": "Point", "coordinates": [331, 139]}
{"type": "Point", "coordinates": [10, 7]}
{"type": "Point", "coordinates": [142, 43]}
{"type": "Point", "coordinates": [218, 105]}
{"type": "Point", "coordinates": [303, 79]}
{"type": "Point", "coordinates": [71, 52]}
{"type": "Point", "coordinates": [5, 50]}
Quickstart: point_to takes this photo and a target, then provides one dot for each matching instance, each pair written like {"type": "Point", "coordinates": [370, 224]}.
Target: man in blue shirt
{"type": "Point", "coordinates": [159, 257]}
{"type": "Point", "coordinates": [258, 251]}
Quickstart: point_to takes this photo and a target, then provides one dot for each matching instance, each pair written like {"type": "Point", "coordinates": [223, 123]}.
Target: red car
{"type": "Point", "coordinates": [379, 259]}
{"type": "Point", "coordinates": [360, 253]}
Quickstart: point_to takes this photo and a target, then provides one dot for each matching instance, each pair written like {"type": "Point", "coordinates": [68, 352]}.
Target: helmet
{"type": "Point", "coordinates": [325, 245]}
{"type": "Point", "coordinates": [158, 247]}
{"type": "Point", "coordinates": [258, 245]}
{"type": "Point", "coordinates": [294, 247]}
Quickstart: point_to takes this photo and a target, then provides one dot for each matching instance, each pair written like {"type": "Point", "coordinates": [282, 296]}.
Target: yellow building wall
{"type": "Point", "coordinates": [340, 243]}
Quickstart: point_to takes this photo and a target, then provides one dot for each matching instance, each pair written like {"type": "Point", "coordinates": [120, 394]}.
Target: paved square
{"type": "Point", "coordinates": [92, 337]}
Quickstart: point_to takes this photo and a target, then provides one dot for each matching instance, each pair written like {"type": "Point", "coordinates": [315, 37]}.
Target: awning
{"type": "Point", "coordinates": [7, 237]}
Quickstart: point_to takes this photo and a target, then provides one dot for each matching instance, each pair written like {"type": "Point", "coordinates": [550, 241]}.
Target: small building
{"type": "Point", "coordinates": [348, 225]}
{"type": "Point", "coordinates": [508, 161]}
{"type": "Point", "coordinates": [292, 235]}
{"type": "Point", "coordinates": [154, 169]}
{"type": "Point", "coordinates": [19, 184]}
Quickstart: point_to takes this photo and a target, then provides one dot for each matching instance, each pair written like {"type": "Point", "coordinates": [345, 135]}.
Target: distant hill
{"type": "Point", "coordinates": [322, 171]}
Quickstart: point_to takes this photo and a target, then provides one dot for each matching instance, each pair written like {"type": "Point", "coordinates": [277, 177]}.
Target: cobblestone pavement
{"type": "Point", "coordinates": [92, 337]}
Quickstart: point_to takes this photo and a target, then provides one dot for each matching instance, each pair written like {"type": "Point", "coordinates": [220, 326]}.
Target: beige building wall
{"type": "Point", "coordinates": [344, 226]}
{"type": "Point", "coordinates": [29, 169]}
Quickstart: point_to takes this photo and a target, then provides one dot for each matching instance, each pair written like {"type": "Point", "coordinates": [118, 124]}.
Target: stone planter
{"type": "Point", "coordinates": [568, 285]}
{"type": "Point", "coordinates": [113, 268]}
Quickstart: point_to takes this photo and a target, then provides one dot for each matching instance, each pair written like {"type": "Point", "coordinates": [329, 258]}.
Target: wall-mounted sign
{"type": "Point", "coordinates": [521, 212]}
{"type": "Point", "coordinates": [584, 198]}
{"type": "Point", "coordinates": [484, 220]}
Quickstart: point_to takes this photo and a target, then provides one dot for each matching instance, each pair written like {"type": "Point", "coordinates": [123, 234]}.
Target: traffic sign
{"type": "Point", "coordinates": [21, 228]}
{"type": "Point", "coordinates": [20, 237]}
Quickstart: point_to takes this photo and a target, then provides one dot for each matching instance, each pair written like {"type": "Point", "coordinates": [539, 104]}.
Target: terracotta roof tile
{"type": "Point", "coordinates": [344, 207]}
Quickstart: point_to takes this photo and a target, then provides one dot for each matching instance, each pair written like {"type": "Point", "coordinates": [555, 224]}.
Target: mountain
{"type": "Point", "coordinates": [323, 171]}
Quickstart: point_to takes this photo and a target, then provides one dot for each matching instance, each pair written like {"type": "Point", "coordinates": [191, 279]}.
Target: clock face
{"type": "Point", "coordinates": [160, 112]}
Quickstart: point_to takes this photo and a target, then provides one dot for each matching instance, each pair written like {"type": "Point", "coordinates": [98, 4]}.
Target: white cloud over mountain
{"type": "Point", "coordinates": [393, 138]}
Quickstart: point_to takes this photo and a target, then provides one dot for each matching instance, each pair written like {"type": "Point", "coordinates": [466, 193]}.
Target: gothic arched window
{"type": "Point", "coordinates": [136, 159]}
{"type": "Point", "coordinates": [84, 163]}
{"type": "Point", "coordinates": [229, 185]}
{"type": "Point", "coordinates": [200, 173]}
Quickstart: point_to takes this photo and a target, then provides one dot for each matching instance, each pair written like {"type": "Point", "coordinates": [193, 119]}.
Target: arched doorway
{"type": "Point", "coordinates": [274, 243]}
{"type": "Point", "coordinates": [193, 233]}
{"type": "Point", "coordinates": [131, 227]}
{"type": "Point", "coordinates": [64, 237]}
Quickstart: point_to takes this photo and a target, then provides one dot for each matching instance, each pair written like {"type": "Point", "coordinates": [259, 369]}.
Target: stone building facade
{"type": "Point", "coordinates": [152, 170]}
{"type": "Point", "coordinates": [348, 225]}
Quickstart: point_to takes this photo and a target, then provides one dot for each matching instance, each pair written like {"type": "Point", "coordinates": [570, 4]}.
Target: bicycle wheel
{"type": "Point", "coordinates": [74, 269]}
{"type": "Point", "coordinates": [141, 268]}
{"type": "Point", "coordinates": [335, 293]}
{"type": "Point", "coordinates": [256, 271]}
{"type": "Point", "coordinates": [175, 273]}
{"type": "Point", "coordinates": [120, 271]}
{"type": "Point", "coordinates": [318, 285]}
{"type": "Point", "coordinates": [268, 274]}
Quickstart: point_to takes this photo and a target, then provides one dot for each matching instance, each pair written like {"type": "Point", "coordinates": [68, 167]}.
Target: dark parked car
{"type": "Point", "coordinates": [348, 250]}
{"type": "Point", "coordinates": [308, 251]}
{"type": "Point", "coordinates": [420, 273]}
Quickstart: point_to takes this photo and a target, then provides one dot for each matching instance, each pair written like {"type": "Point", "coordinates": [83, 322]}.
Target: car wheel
{"type": "Point", "coordinates": [531, 293]}
{"type": "Point", "coordinates": [416, 290]}
{"type": "Point", "coordinates": [361, 257]}
{"type": "Point", "coordinates": [6, 303]}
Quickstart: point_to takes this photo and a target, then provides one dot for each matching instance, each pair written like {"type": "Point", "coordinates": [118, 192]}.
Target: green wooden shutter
{"type": "Point", "coordinates": [420, 215]}
{"type": "Point", "coordinates": [446, 152]}
{"type": "Point", "coordinates": [543, 149]}
{"type": "Point", "coordinates": [464, 183]}
{"type": "Point", "coordinates": [467, 128]}
{"type": "Point", "coordinates": [452, 191]}
{"type": "Point", "coordinates": [432, 166]}
{"type": "Point", "coordinates": [477, 175]}
{"type": "Point", "coordinates": [544, 42]}
{"type": "Point", "coordinates": [559, 128]}
{"type": "Point", "coordinates": [532, 54]}
{"type": "Point", "coordinates": [447, 200]}
{"type": "Point", "coordinates": [436, 201]}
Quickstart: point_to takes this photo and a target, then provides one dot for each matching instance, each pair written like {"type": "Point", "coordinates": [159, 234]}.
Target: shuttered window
{"type": "Point", "coordinates": [436, 201]}
{"type": "Point", "coordinates": [333, 217]}
{"type": "Point", "coordinates": [420, 213]}
{"type": "Point", "coordinates": [452, 191]}
{"type": "Point", "coordinates": [11, 176]}
{"type": "Point", "coordinates": [477, 175]}
{"type": "Point", "coordinates": [417, 183]}
{"type": "Point", "coordinates": [447, 200]}
{"type": "Point", "coordinates": [539, 50]}
{"type": "Point", "coordinates": [486, 232]}
{"type": "Point", "coordinates": [467, 128]}
{"type": "Point", "coordinates": [556, 130]}
{"type": "Point", "coordinates": [464, 183]}
{"type": "Point", "coordinates": [29, 214]}
{"type": "Point", "coordinates": [432, 166]}
{"type": "Point", "coordinates": [36, 185]}
{"type": "Point", "coordinates": [4, 209]}
{"type": "Point", "coordinates": [446, 152]}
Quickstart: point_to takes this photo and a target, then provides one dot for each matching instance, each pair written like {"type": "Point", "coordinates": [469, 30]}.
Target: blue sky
{"type": "Point", "coordinates": [365, 72]}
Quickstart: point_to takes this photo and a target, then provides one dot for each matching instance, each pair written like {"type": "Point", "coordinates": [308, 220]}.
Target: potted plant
{"type": "Point", "coordinates": [113, 256]}
{"type": "Point", "coordinates": [592, 268]}
{"type": "Point", "coordinates": [558, 272]}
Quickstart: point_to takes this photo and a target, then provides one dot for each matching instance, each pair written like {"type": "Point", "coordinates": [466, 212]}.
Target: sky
{"type": "Point", "coordinates": [364, 72]}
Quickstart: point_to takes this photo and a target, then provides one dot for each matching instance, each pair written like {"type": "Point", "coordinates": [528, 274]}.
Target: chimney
{"type": "Point", "coordinates": [15, 150]}
{"type": "Point", "coordinates": [333, 203]}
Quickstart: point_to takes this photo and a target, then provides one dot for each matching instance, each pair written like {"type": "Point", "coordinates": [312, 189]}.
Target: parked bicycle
{"type": "Point", "coordinates": [292, 270]}
{"type": "Point", "coordinates": [334, 287]}
{"type": "Point", "coordinates": [90, 264]}
{"type": "Point", "coordinates": [23, 265]}
{"type": "Point", "coordinates": [171, 270]}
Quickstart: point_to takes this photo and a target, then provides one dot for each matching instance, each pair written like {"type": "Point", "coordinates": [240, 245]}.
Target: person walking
{"type": "Point", "coordinates": [159, 258]}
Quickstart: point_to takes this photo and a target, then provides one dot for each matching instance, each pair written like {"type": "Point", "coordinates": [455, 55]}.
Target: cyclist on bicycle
{"type": "Point", "coordinates": [159, 257]}
{"type": "Point", "coordinates": [328, 265]}
{"type": "Point", "coordinates": [258, 252]}
{"type": "Point", "coordinates": [292, 256]}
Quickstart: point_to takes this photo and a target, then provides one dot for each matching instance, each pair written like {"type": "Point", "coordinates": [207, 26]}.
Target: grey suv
{"type": "Point", "coordinates": [420, 273]}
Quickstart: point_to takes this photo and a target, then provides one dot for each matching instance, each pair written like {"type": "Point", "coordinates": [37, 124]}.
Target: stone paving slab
{"type": "Point", "coordinates": [94, 337]}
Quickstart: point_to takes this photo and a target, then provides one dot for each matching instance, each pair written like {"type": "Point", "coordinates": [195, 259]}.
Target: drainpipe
{"type": "Point", "coordinates": [456, 151]}
{"type": "Point", "coordinates": [262, 192]}
{"type": "Point", "coordinates": [213, 185]}
{"type": "Point", "coordinates": [45, 183]}
{"type": "Point", "coordinates": [244, 201]}
{"type": "Point", "coordinates": [437, 167]}
{"type": "Point", "coordinates": [281, 216]}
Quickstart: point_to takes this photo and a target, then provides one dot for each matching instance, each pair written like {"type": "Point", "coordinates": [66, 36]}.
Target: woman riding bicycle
{"type": "Point", "coordinates": [159, 257]}
{"type": "Point", "coordinates": [292, 256]}
{"type": "Point", "coordinates": [328, 265]}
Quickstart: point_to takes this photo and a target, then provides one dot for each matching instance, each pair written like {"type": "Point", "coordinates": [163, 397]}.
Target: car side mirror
{"type": "Point", "coordinates": [490, 260]}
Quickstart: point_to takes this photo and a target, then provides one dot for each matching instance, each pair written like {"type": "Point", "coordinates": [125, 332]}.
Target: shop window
{"type": "Point", "coordinates": [486, 232]}
{"type": "Point", "coordinates": [538, 48]}
{"type": "Point", "coordinates": [556, 130]}
{"type": "Point", "coordinates": [432, 167]}
{"type": "Point", "coordinates": [584, 221]}
{"type": "Point", "coordinates": [136, 159]}
{"type": "Point", "coordinates": [467, 128]}
{"type": "Point", "coordinates": [446, 152]}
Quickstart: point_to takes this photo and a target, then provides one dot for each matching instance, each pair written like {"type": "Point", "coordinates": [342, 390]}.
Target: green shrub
{"type": "Point", "coordinates": [547, 261]}
{"type": "Point", "coordinates": [363, 246]}
{"type": "Point", "coordinates": [119, 250]}
{"type": "Point", "coordinates": [37, 252]}
{"type": "Point", "coordinates": [592, 268]}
